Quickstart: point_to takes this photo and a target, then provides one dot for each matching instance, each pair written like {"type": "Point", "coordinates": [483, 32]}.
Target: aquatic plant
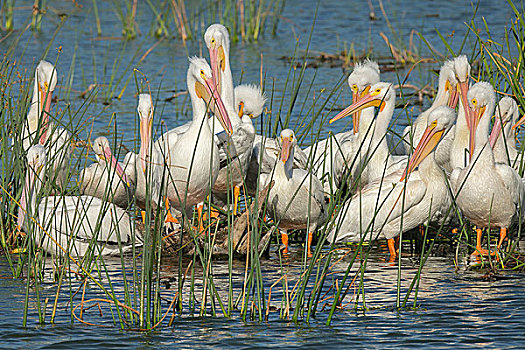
{"type": "Point", "coordinates": [220, 271]}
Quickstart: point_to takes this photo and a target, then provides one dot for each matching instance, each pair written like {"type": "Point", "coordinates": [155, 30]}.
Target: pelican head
{"type": "Point", "coordinates": [250, 100]}
{"type": "Point", "coordinates": [45, 82]}
{"type": "Point", "coordinates": [103, 152]}
{"type": "Point", "coordinates": [217, 41]}
{"type": "Point", "coordinates": [377, 96]}
{"type": "Point", "coordinates": [36, 159]}
{"type": "Point", "coordinates": [462, 72]}
{"type": "Point", "coordinates": [440, 121]}
{"type": "Point", "coordinates": [201, 85]}
{"type": "Point", "coordinates": [145, 110]}
{"type": "Point", "coordinates": [449, 84]}
{"type": "Point", "coordinates": [481, 99]}
{"type": "Point", "coordinates": [506, 114]}
{"type": "Point", "coordinates": [288, 142]}
{"type": "Point", "coordinates": [363, 76]}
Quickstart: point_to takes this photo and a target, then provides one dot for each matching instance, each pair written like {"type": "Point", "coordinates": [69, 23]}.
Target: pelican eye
{"type": "Point", "coordinates": [202, 74]}
{"type": "Point", "coordinates": [250, 115]}
{"type": "Point", "coordinates": [376, 92]}
{"type": "Point", "coordinates": [447, 85]}
{"type": "Point", "coordinates": [434, 123]}
{"type": "Point", "coordinates": [474, 101]}
{"type": "Point", "coordinates": [213, 40]}
{"type": "Point", "coordinates": [354, 88]}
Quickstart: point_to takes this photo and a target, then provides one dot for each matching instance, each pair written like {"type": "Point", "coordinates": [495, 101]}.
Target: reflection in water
{"type": "Point", "coordinates": [457, 309]}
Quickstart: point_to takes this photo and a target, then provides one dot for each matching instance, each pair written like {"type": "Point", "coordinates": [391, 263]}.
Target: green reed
{"type": "Point", "coordinates": [133, 290]}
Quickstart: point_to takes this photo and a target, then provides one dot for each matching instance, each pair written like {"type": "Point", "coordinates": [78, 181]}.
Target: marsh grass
{"type": "Point", "coordinates": [129, 290]}
{"type": "Point", "coordinates": [247, 20]}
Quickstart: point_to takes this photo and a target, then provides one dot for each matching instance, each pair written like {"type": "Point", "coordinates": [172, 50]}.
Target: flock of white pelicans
{"type": "Point", "coordinates": [453, 158]}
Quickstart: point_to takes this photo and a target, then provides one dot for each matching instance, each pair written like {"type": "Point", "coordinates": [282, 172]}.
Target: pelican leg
{"type": "Point", "coordinates": [284, 240]}
{"type": "Point", "coordinates": [392, 248]}
{"type": "Point", "coordinates": [143, 215]}
{"type": "Point", "coordinates": [502, 236]}
{"type": "Point", "coordinates": [213, 212]}
{"type": "Point", "coordinates": [169, 217]}
{"type": "Point", "coordinates": [199, 216]}
{"type": "Point", "coordinates": [479, 250]}
{"type": "Point", "coordinates": [236, 194]}
{"type": "Point", "coordinates": [309, 244]}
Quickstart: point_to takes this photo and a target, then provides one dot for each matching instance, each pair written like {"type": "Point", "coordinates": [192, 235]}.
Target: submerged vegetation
{"type": "Point", "coordinates": [181, 271]}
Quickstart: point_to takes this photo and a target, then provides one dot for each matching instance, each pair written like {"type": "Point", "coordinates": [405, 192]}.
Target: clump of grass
{"type": "Point", "coordinates": [7, 14]}
{"type": "Point", "coordinates": [38, 12]}
{"type": "Point", "coordinates": [127, 17]}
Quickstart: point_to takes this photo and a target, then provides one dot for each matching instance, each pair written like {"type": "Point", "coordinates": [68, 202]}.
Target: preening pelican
{"type": "Point", "coordinates": [249, 100]}
{"type": "Point", "coordinates": [296, 197]}
{"type": "Point", "coordinates": [40, 126]}
{"type": "Point", "coordinates": [79, 225]}
{"type": "Point", "coordinates": [237, 150]}
{"type": "Point", "coordinates": [331, 157]}
{"type": "Point", "coordinates": [382, 206]}
{"type": "Point", "coordinates": [506, 120]}
{"type": "Point", "coordinates": [106, 179]}
{"type": "Point", "coordinates": [486, 192]}
{"type": "Point", "coordinates": [374, 159]}
{"type": "Point", "coordinates": [447, 95]}
{"type": "Point", "coordinates": [193, 160]}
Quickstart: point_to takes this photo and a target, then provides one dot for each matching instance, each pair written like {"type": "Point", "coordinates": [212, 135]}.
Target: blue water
{"type": "Point", "coordinates": [457, 309]}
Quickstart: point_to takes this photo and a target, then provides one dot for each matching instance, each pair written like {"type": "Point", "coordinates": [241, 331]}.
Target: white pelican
{"type": "Point", "coordinates": [331, 156]}
{"type": "Point", "coordinates": [192, 157]}
{"type": "Point", "coordinates": [265, 156]}
{"type": "Point", "coordinates": [383, 205]}
{"type": "Point", "coordinates": [235, 152]}
{"type": "Point", "coordinates": [145, 168]}
{"type": "Point", "coordinates": [487, 193]}
{"type": "Point", "coordinates": [39, 125]}
{"type": "Point", "coordinates": [504, 147]}
{"type": "Point", "coordinates": [374, 159]}
{"type": "Point", "coordinates": [38, 116]}
{"type": "Point", "coordinates": [80, 225]}
{"type": "Point", "coordinates": [296, 200]}
{"type": "Point", "coordinates": [249, 100]}
{"type": "Point", "coordinates": [459, 149]}
{"type": "Point", "coordinates": [106, 179]}
{"type": "Point", "coordinates": [447, 95]}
